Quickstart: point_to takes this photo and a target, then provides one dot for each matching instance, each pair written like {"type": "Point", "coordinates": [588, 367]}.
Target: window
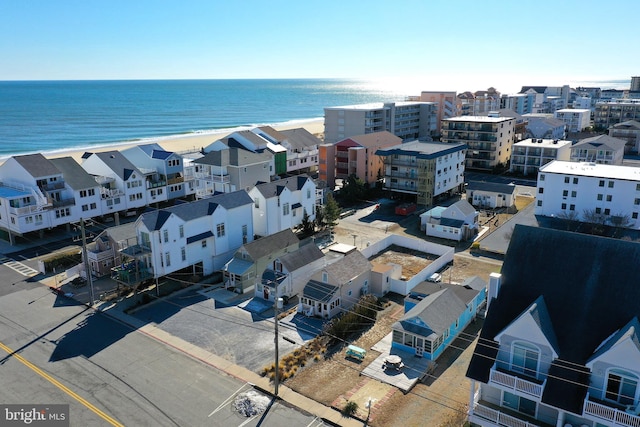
{"type": "Point", "coordinates": [539, 202]}
{"type": "Point", "coordinates": [167, 259]}
{"type": "Point", "coordinates": [165, 233]}
{"type": "Point", "coordinates": [600, 196]}
{"type": "Point", "coordinates": [85, 208]}
{"type": "Point", "coordinates": [541, 177]}
{"type": "Point", "coordinates": [572, 207]}
{"type": "Point", "coordinates": [610, 184]}
{"type": "Point", "coordinates": [220, 230]}
{"type": "Point", "coordinates": [93, 206]}
{"type": "Point", "coordinates": [181, 231]}
{"type": "Point", "coordinates": [609, 197]}
{"type": "Point", "coordinates": [601, 183]}
{"type": "Point", "coordinates": [285, 209]}
{"type": "Point", "coordinates": [575, 180]}
{"type": "Point", "coordinates": [524, 359]}
{"type": "Point", "coordinates": [566, 179]}
{"type": "Point", "coordinates": [598, 210]}
{"type": "Point", "coordinates": [256, 203]}
{"type": "Point", "coordinates": [574, 193]}
{"type": "Point", "coordinates": [183, 253]}
{"type": "Point", "coordinates": [622, 387]}
{"type": "Point", "coordinates": [325, 277]}
{"type": "Point", "coordinates": [637, 187]}
{"type": "Point", "coordinates": [308, 193]}
{"type": "Point", "coordinates": [636, 201]}
{"type": "Point", "coordinates": [520, 404]}
{"type": "Point", "coordinates": [565, 193]}
{"type": "Point", "coordinates": [204, 243]}
{"type": "Point", "coordinates": [607, 211]}
{"type": "Point", "coordinates": [563, 206]}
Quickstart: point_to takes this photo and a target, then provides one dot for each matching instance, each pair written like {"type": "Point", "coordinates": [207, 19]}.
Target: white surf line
{"type": "Point", "coordinates": [226, 402]}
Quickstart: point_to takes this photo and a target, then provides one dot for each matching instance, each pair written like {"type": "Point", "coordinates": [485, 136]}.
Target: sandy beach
{"type": "Point", "coordinates": [191, 142]}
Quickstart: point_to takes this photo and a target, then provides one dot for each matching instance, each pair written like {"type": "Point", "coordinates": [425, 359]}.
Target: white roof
{"type": "Point", "coordinates": [545, 143]}
{"type": "Point", "coordinates": [629, 173]}
{"type": "Point", "coordinates": [574, 110]}
{"type": "Point", "coordinates": [482, 119]}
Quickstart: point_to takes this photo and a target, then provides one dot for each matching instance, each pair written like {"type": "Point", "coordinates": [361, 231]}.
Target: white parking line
{"type": "Point", "coordinates": [226, 402]}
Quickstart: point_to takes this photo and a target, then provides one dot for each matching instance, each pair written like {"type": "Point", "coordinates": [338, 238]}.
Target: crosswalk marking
{"type": "Point", "coordinates": [19, 267]}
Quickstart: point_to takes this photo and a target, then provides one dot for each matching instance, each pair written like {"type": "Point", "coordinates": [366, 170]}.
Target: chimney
{"type": "Point", "coordinates": [494, 287]}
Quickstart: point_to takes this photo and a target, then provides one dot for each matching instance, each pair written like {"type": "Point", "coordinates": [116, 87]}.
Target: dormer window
{"type": "Point", "coordinates": [525, 358]}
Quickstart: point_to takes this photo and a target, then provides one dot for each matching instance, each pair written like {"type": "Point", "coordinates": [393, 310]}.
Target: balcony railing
{"type": "Point", "coordinates": [612, 416]}
{"type": "Point", "coordinates": [497, 417]}
{"type": "Point", "coordinates": [176, 180]}
{"type": "Point", "coordinates": [517, 384]}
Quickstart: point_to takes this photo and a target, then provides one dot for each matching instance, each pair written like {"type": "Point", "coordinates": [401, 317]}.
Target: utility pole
{"type": "Point", "coordinates": [277, 306]}
{"type": "Point", "coordinates": [86, 262]}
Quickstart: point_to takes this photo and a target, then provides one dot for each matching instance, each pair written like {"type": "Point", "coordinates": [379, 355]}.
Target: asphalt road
{"type": "Point", "coordinates": [108, 373]}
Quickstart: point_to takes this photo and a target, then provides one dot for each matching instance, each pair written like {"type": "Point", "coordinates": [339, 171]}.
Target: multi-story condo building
{"type": "Point", "coordinates": [355, 155]}
{"type": "Point", "coordinates": [548, 98]}
{"type": "Point", "coordinates": [407, 120]}
{"type": "Point", "coordinates": [635, 83]}
{"type": "Point", "coordinates": [576, 120]}
{"type": "Point", "coordinates": [446, 101]}
{"type": "Point", "coordinates": [529, 155]}
{"type": "Point", "coordinates": [611, 94]}
{"type": "Point", "coordinates": [488, 138]}
{"type": "Point", "coordinates": [628, 131]}
{"type": "Point", "coordinates": [427, 170]}
{"type": "Point", "coordinates": [559, 345]}
{"type": "Point", "coordinates": [478, 103]}
{"type": "Point", "coordinates": [602, 149]}
{"type": "Point", "coordinates": [589, 192]}
{"type": "Point", "coordinates": [521, 103]}
{"type": "Point", "coordinates": [609, 113]}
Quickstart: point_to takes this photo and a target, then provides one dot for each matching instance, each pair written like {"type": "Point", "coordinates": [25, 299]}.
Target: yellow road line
{"type": "Point", "coordinates": [61, 386]}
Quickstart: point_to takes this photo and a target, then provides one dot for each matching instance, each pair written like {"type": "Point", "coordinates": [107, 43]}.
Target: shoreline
{"type": "Point", "coordinates": [176, 143]}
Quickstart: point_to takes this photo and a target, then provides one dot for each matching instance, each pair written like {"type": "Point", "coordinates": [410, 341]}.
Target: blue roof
{"type": "Point", "coordinates": [8, 192]}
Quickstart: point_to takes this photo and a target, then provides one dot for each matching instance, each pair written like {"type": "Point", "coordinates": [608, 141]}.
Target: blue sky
{"type": "Point", "coordinates": [437, 44]}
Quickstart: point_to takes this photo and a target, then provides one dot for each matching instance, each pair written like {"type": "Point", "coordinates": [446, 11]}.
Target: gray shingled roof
{"type": "Point", "coordinates": [438, 311]}
{"type": "Point", "coordinates": [319, 291]}
{"type": "Point", "coordinates": [464, 291]}
{"type": "Point", "coordinates": [274, 242]}
{"type": "Point", "coordinates": [301, 138]}
{"type": "Point", "coordinates": [580, 277]}
{"type": "Point", "coordinates": [154, 220]}
{"type": "Point", "coordinates": [303, 256]}
{"type": "Point", "coordinates": [74, 175]}
{"type": "Point", "coordinates": [597, 141]}
{"type": "Point", "coordinates": [351, 265]}
{"type": "Point", "coordinates": [274, 188]}
{"type": "Point", "coordinates": [233, 156]}
{"type": "Point", "coordinates": [465, 207]}
{"type": "Point", "coordinates": [37, 165]}
{"type": "Point", "coordinates": [118, 163]}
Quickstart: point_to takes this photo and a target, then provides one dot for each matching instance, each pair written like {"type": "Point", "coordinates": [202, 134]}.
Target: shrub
{"type": "Point", "coordinates": [350, 408]}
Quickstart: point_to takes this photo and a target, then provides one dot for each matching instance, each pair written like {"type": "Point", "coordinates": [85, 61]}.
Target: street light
{"type": "Point", "coordinates": [277, 306]}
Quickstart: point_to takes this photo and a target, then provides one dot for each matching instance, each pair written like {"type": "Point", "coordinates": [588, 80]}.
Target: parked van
{"type": "Point", "coordinates": [435, 277]}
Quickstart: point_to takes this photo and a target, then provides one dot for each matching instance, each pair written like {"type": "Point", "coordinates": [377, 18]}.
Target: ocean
{"type": "Point", "coordinates": [50, 116]}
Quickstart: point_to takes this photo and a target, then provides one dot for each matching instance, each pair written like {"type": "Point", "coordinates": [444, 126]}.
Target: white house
{"type": "Point", "coordinates": [559, 345]}
{"type": "Point", "coordinates": [198, 237]}
{"type": "Point", "coordinates": [164, 172]}
{"type": "Point", "coordinates": [281, 204]}
{"type": "Point", "coordinates": [599, 149]}
{"type": "Point", "coordinates": [123, 185]}
{"type": "Point", "coordinates": [490, 195]}
{"type": "Point", "coordinates": [456, 222]}
{"type": "Point", "coordinates": [589, 192]}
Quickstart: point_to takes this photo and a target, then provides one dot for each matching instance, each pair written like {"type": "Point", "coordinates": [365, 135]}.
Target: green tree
{"type": "Point", "coordinates": [307, 226]}
{"type": "Point", "coordinates": [353, 189]}
{"type": "Point", "coordinates": [320, 217]}
{"type": "Point", "coordinates": [331, 211]}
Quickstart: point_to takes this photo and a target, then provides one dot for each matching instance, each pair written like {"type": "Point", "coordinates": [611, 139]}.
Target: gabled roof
{"type": "Point", "coordinates": [631, 331]}
{"type": "Point", "coordinates": [597, 142]}
{"type": "Point", "coordinates": [155, 151]}
{"type": "Point", "coordinates": [119, 233]}
{"type": "Point", "coordinates": [234, 156]}
{"type": "Point", "coordinates": [118, 163]}
{"type": "Point", "coordinates": [275, 188]}
{"type": "Point", "coordinates": [305, 255]}
{"type": "Point", "coordinates": [154, 220]}
{"type": "Point", "coordinates": [465, 207]}
{"type": "Point", "coordinates": [490, 187]}
{"type": "Point", "coordinates": [629, 124]}
{"type": "Point", "coordinates": [271, 133]}
{"type": "Point", "coordinates": [466, 291]}
{"type": "Point", "coordinates": [538, 89]}
{"type": "Point", "coordinates": [37, 165]}
{"type": "Point", "coordinates": [319, 291]}
{"type": "Point", "coordinates": [263, 246]}
{"type": "Point", "coordinates": [351, 265]}
{"type": "Point", "coordinates": [581, 277]}
{"type": "Point", "coordinates": [236, 139]}
{"type": "Point", "coordinates": [437, 312]}
{"type": "Point", "coordinates": [74, 175]}
{"type": "Point", "coordinates": [300, 138]}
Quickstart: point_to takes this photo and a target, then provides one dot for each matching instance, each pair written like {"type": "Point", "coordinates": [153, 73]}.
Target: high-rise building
{"type": "Point", "coordinates": [635, 83]}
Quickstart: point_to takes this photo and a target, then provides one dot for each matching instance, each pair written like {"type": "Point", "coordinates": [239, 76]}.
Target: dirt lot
{"type": "Point", "coordinates": [412, 261]}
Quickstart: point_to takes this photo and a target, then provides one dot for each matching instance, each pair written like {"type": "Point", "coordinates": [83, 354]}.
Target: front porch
{"type": "Point", "coordinates": [607, 412]}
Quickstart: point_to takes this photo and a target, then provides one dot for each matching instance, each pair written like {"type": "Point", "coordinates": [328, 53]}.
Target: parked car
{"type": "Point", "coordinates": [435, 277]}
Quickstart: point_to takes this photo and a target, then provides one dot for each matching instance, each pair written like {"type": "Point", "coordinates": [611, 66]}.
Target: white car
{"type": "Point", "coordinates": [435, 277]}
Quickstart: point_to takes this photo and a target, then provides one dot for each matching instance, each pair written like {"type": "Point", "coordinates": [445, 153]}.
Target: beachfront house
{"type": "Point", "coordinates": [230, 169]}
{"type": "Point", "coordinates": [196, 238]}
{"type": "Point", "coordinates": [457, 222]}
{"type": "Point", "coordinates": [103, 253]}
{"type": "Point", "coordinates": [122, 184]}
{"type": "Point", "coordinates": [165, 177]}
{"type": "Point", "coordinates": [337, 287]}
{"type": "Point", "coordinates": [435, 314]}
{"type": "Point", "coordinates": [290, 273]}
{"type": "Point", "coordinates": [244, 271]}
{"type": "Point", "coordinates": [281, 204]}
{"type": "Point", "coordinates": [559, 345]}
{"type": "Point", "coordinates": [37, 195]}
{"type": "Point", "coordinates": [302, 150]}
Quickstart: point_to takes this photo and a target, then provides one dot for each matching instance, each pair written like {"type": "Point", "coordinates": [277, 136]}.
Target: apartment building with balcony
{"type": "Point", "coordinates": [300, 148]}
{"type": "Point", "coordinates": [407, 120]}
{"type": "Point", "coordinates": [529, 155]}
{"type": "Point", "coordinates": [478, 103]}
{"type": "Point", "coordinates": [628, 131]}
{"type": "Point", "coordinates": [601, 149]}
{"type": "Point", "coordinates": [611, 112]}
{"type": "Point", "coordinates": [548, 99]}
{"type": "Point", "coordinates": [559, 345]}
{"type": "Point", "coordinates": [589, 192]}
{"type": "Point", "coordinates": [488, 139]}
{"type": "Point", "coordinates": [355, 155]}
{"type": "Point", "coordinates": [576, 120]}
{"type": "Point", "coordinates": [521, 103]}
{"type": "Point", "coordinates": [446, 104]}
{"type": "Point", "coordinates": [230, 169]}
{"type": "Point", "coordinates": [426, 170]}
